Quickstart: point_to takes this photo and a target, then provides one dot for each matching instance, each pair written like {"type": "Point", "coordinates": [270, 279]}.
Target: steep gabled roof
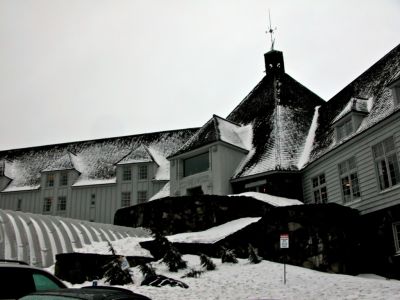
{"type": "Point", "coordinates": [373, 85]}
{"type": "Point", "coordinates": [280, 111]}
{"type": "Point", "coordinates": [139, 155]}
{"type": "Point", "coordinates": [95, 160]}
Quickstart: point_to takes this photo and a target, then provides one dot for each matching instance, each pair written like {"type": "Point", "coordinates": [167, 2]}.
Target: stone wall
{"type": "Point", "coordinates": [189, 213]}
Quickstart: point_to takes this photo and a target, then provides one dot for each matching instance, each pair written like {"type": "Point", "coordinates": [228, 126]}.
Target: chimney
{"type": "Point", "coordinates": [274, 62]}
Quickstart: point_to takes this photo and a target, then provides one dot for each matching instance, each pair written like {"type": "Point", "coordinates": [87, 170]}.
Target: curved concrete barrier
{"type": "Point", "coordinates": [36, 239]}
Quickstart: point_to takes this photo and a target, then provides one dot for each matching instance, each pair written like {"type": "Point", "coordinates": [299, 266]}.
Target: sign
{"type": "Point", "coordinates": [284, 241]}
{"type": "Point", "coordinates": [124, 263]}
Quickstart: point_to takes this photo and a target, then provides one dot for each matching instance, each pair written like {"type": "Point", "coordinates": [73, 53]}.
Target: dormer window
{"type": "Point", "coordinates": [344, 130]}
{"type": "Point", "coordinates": [395, 88]}
{"type": "Point", "coordinates": [196, 164]}
{"type": "Point", "coordinates": [350, 117]}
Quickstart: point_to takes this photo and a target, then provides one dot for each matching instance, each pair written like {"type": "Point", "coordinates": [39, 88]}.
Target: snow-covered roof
{"type": "Point", "coordinates": [214, 234]}
{"type": "Point", "coordinates": [219, 129]}
{"type": "Point", "coordinates": [139, 155]}
{"type": "Point", "coordinates": [95, 160]}
{"type": "Point", "coordinates": [373, 85]}
{"type": "Point", "coordinates": [280, 111]}
{"type": "Point", "coordinates": [164, 192]}
{"type": "Point", "coordinates": [355, 104]}
{"type": "Point", "coordinates": [270, 199]}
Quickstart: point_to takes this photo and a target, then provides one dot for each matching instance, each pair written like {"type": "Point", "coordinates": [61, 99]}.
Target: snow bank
{"type": "Point", "coordinates": [273, 200]}
{"type": "Point", "coordinates": [213, 234]}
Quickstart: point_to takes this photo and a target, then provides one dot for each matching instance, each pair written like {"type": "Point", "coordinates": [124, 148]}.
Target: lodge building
{"type": "Point", "coordinates": [282, 139]}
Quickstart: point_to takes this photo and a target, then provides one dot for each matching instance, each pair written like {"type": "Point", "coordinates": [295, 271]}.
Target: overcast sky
{"type": "Point", "coordinates": [74, 70]}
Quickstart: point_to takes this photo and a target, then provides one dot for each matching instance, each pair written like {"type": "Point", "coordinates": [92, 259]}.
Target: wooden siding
{"type": "Point", "coordinates": [372, 198]}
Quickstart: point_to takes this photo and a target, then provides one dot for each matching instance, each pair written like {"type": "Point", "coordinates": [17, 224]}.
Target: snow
{"type": "Point", "coordinates": [273, 200]}
{"type": "Point", "coordinates": [305, 155]}
{"type": "Point", "coordinates": [88, 181]}
{"type": "Point", "coordinates": [262, 281]}
{"type": "Point", "coordinates": [239, 136]}
{"type": "Point", "coordinates": [213, 234]}
{"type": "Point", "coordinates": [127, 246]}
{"type": "Point", "coordinates": [162, 172]}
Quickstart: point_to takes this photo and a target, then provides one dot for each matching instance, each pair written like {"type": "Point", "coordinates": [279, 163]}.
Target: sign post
{"type": "Point", "coordinates": [284, 244]}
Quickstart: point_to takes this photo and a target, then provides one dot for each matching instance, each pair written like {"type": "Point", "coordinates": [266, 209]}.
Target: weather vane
{"type": "Point", "coordinates": [271, 31]}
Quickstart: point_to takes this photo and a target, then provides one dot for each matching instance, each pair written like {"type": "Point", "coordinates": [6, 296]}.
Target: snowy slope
{"type": "Point", "coordinates": [264, 281]}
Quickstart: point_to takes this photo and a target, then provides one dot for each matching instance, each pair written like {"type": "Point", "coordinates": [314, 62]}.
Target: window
{"type": "Point", "coordinates": [319, 189]}
{"type": "Point", "coordinates": [142, 172]}
{"type": "Point", "coordinates": [19, 204]}
{"type": "Point", "coordinates": [125, 199]}
{"type": "Point", "coordinates": [196, 164]}
{"type": "Point", "coordinates": [349, 180]}
{"type": "Point", "coordinates": [386, 163]}
{"type": "Point", "coordinates": [49, 180]}
{"type": "Point", "coordinates": [126, 173]}
{"type": "Point", "coordinates": [44, 282]}
{"type": "Point", "coordinates": [62, 203]}
{"type": "Point", "coordinates": [142, 196]}
{"type": "Point", "coordinates": [396, 236]}
{"type": "Point", "coordinates": [344, 130]}
{"type": "Point", "coordinates": [63, 179]}
{"type": "Point", "coordinates": [47, 204]}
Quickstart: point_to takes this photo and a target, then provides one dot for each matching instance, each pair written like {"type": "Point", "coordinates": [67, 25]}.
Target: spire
{"type": "Point", "coordinates": [271, 31]}
{"type": "Point", "coordinates": [273, 59]}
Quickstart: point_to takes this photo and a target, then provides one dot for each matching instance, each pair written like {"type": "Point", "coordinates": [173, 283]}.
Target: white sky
{"type": "Point", "coordinates": [74, 70]}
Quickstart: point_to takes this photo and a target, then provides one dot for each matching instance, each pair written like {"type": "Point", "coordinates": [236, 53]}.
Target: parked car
{"type": "Point", "coordinates": [17, 279]}
{"type": "Point", "coordinates": [86, 293]}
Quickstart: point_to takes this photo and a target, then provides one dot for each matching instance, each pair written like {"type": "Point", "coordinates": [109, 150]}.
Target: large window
{"type": "Point", "coordinates": [126, 173]}
{"type": "Point", "coordinates": [62, 203]}
{"type": "Point", "coordinates": [125, 199]}
{"type": "Point", "coordinates": [319, 189]}
{"type": "Point", "coordinates": [349, 180]}
{"type": "Point", "coordinates": [49, 180]}
{"type": "Point", "coordinates": [386, 163]}
{"type": "Point", "coordinates": [47, 204]}
{"type": "Point", "coordinates": [344, 130]}
{"type": "Point", "coordinates": [142, 172]}
{"type": "Point", "coordinates": [196, 164]}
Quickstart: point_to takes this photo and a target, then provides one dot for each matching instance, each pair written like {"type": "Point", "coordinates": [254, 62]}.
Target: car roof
{"type": "Point", "coordinates": [98, 293]}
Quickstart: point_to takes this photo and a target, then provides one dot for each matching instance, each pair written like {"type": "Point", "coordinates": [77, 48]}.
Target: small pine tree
{"type": "Point", "coordinates": [193, 273]}
{"type": "Point", "coordinates": [113, 272]}
{"type": "Point", "coordinates": [253, 255]}
{"type": "Point", "coordinates": [173, 259]}
{"type": "Point", "coordinates": [228, 256]}
{"type": "Point", "coordinates": [162, 244]}
{"type": "Point", "coordinates": [206, 262]}
{"type": "Point", "coordinates": [147, 270]}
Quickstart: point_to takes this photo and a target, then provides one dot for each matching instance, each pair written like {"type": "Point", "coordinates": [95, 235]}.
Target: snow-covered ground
{"type": "Point", "coordinates": [264, 281]}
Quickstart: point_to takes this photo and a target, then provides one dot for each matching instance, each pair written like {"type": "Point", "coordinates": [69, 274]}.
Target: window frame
{"type": "Point", "coordinates": [348, 170]}
{"type": "Point", "coordinates": [49, 180]}
{"type": "Point", "coordinates": [319, 188]}
{"type": "Point", "coordinates": [47, 204]}
{"type": "Point", "coordinates": [19, 204]}
{"type": "Point", "coordinates": [61, 203]}
{"type": "Point", "coordinates": [125, 202]}
{"type": "Point", "coordinates": [383, 160]}
{"type": "Point", "coordinates": [63, 180]}
{"type": "Point", "coordinates": [126, 173]}
{"type": "Point", "coordinates": [143, 172]}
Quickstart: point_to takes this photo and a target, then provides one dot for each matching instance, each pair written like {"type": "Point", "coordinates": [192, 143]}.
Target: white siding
{"type": "Point", "coordinates": [372, 198]}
